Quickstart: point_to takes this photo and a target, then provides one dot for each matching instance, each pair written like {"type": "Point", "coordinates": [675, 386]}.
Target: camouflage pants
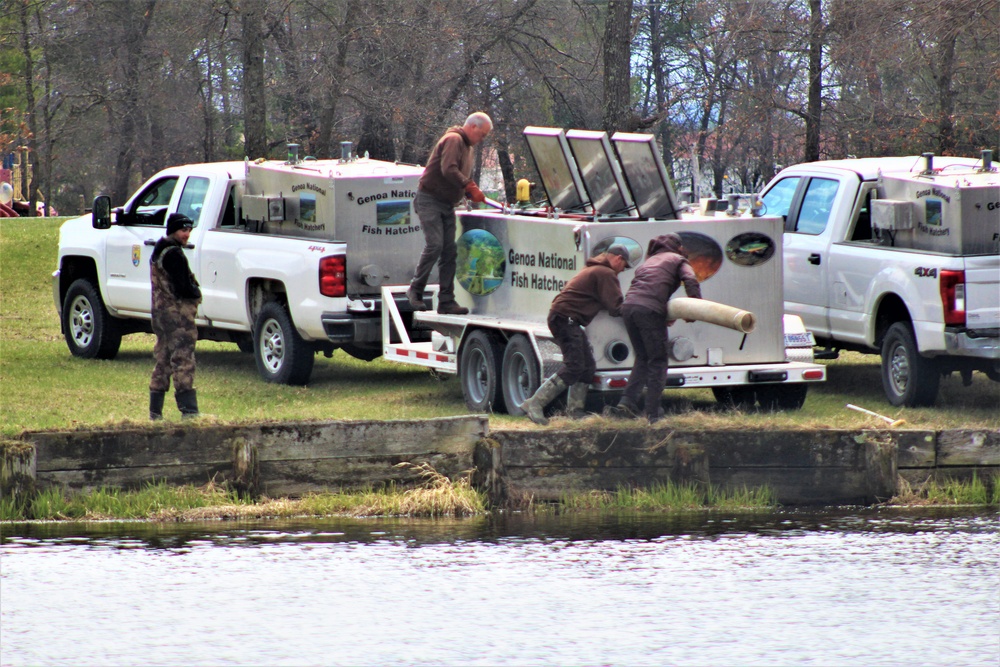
{"type": "Point", "coordinates": [176, 335]}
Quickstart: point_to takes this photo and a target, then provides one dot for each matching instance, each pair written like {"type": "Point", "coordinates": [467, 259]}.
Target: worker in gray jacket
{"type": "Point", "coordinates": [175, 300]}
{"type": "Point", "coordinates": [645, 316]}
{"type": "Point", "coordinates": [594, 289]}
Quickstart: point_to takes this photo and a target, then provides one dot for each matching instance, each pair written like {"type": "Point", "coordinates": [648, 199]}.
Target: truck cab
{"type": "Point", "coordinates": [898, 257]}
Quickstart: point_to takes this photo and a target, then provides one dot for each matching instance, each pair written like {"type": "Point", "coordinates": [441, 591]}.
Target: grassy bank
{"type": "Point", "coordinates": [436, 497]}
{"type": "Point", "coordinates": [43, 387]}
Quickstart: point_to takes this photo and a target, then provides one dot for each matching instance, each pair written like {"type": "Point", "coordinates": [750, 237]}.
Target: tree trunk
{"type": "Point", "coordinates": [945, 93]}
{"type": "Point", "coordinates": [617, 50]}
{"type": "Point", "coordinates": [815, 102]}
{"type": "Point", "coordinates": [660, 82]}
{"type": "Point", "coordinates": [137, 21]}
{"type": "Point", "coordinates": [254, 104]}
{"type": "Point", "coordinates": [29, 190]}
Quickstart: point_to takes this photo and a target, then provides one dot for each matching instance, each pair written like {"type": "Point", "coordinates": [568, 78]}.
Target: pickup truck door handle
{"type": "Point", "coordinates": [814, 258]}
{"type": "Point", "coordinates": [149, 242]}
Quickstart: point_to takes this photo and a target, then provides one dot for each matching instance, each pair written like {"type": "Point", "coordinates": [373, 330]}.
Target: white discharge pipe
{"type": "Point", "coordinates": [684, 308]}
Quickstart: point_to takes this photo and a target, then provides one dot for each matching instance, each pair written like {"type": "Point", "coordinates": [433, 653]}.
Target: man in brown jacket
{"type": "Point", "coordinates": [594, 289]}
{"type": "Point", "coordinates": [445, 180]}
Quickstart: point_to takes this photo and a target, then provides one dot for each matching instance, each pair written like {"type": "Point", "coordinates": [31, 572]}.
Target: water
{"type": "Point", "coordinates": [850, 587]}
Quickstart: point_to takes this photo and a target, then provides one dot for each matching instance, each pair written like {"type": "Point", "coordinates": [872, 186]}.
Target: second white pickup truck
{"type": "Point", "coordinates": [898, 257]}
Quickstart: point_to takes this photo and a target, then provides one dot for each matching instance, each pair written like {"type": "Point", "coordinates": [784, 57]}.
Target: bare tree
{"type": "Point", "coordinates": [252, 85]}
{"type": "Point", "coordinates": [617, 51]}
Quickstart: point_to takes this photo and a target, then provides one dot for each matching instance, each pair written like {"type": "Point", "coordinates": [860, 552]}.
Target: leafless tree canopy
{"type": "Point", "coordinates": [103, 93]}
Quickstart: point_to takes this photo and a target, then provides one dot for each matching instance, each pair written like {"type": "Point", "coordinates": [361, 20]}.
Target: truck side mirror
{"type": "Point", "coordinates": [101, 213]}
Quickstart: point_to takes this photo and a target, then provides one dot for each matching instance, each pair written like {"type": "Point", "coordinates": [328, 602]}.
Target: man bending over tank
{"type": "Point", "coordinates": [594, 289]}
{"type": "Point", "coordinates": [645, 316]}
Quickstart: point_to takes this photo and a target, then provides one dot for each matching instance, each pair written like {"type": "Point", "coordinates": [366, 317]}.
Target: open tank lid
{"type": "Point", "coordinates": [556, 167]}
{"type": "Point", "coordinates": [600, 171]}
{"type": "Point", "coordinates": [646, 175]}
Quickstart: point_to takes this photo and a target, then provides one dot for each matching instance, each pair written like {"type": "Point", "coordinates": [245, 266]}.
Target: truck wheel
{"type": "Point", "coordinates": [781, 396]}
{"type": "Point", "coordinates": [90, 330]}
{"type": "Point", "coordinates": [282, 356]}
{"type": "Point", "coordinates": [519, 377]}
{"type": "Point", "coordinates": [736, 398]}
{"type": "Point", "coordinates": [907, 378]}
{"type": "Point", "coordinates": [479, 369]}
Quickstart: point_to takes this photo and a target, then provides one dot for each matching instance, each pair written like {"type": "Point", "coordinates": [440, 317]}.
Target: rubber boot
{"type": "Point", "coordinates": [535, 406]}
{"type": "Point", "coordinates": [576, 399]}
{"type": "Point", "coordinates": [187, 403]}
{"type": "Point", "coordinates": [626, 409]}
{"type": "Point", "coordinates": [156, 404]}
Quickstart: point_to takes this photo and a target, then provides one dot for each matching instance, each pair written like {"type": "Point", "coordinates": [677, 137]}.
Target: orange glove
{"type": "Point", "coordinates": [473, 192]}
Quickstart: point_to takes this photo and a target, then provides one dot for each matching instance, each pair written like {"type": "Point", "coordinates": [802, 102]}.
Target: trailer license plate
{"type": "Point", "coordinates": [803, 339]}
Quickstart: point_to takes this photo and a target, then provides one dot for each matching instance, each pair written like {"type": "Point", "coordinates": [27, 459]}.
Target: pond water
{"type": "Point", "coordinates": [843, 587]}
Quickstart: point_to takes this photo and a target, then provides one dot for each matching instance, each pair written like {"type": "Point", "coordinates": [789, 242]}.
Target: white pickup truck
{"type": "Point", "coordinates": [897, 256]}
{"type": "Point", "coordinates": [291, 257]}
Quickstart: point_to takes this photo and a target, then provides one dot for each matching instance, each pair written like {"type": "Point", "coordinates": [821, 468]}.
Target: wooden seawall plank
{"type": "Point", "coordinates": [286, 458]}
{"type": "Point", "coordinates": [800, 467]}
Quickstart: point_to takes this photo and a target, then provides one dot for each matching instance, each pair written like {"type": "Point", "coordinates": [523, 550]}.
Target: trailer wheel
{"type": "Point", "coordinates": [90, 330]}
{"type": "Point", "coordinates": [735, 398]}
{"type": "Point", "coordinates": [479, 370]}
{"type": "Point", "coordinates": [520, 376]}
{"type": "Point", "coordinates": [776, 397]}
{"type": "Point", "coordinates": [907, 378]}
{"type": "Point", "coordinates": [282, 356]}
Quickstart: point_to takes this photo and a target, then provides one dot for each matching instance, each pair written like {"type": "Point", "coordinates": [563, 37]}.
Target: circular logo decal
{"type": "Point", "coordinates": [480, 267]}
{"type": "Point", "coordinates": [750, 249]}
{"type": "Point", "coordinates": [633, 247]}
{"type": "Point", "coordinates": [704, 254]}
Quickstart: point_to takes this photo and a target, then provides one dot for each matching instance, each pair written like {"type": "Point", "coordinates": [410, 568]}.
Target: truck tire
{"type": "Point", "coordinates": [479, 368]}
{"type": "Point", "coordinates": [775, 397]}
{"type": "Point", "coordinates": [519, 375]}
{"type": "Point", "coordinates": [282, 356]}
{"type": "Point", "coordinates": [907, 378]}
{"type": "Point", "coordinates": [90, 330]}
{"type": "Point", "coordinates": [736, 398]}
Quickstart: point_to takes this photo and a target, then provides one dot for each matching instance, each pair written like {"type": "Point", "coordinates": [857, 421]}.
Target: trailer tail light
{"type": "Point", "coordinates": [333, 276]}
{"type": "Point", "coordinates": [813, 375]}
{"type": "Point", "coordinates": [953, 297]}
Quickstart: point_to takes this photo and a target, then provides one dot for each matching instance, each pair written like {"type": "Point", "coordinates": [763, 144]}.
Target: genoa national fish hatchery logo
{"type": "Point", "coordinates": [481, 265]}
{"type": "Point", "coordinates": [136, 254]}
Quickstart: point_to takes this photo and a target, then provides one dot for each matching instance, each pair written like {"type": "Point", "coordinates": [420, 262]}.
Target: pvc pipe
{"type": "Point", "coordinates": [684, 308]}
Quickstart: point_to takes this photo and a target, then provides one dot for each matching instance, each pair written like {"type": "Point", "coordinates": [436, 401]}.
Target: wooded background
{"type": "Point", "coordinates": [101, 94]}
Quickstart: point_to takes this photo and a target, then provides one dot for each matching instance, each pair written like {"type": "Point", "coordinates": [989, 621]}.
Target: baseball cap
{"type": "Point", "coordinates": [621, 251]}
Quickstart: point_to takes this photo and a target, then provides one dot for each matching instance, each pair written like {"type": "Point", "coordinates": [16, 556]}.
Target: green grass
{"type": "Point", "coordinates": [43, 387]}
{"type": "Point", "coordinates": [670, 497]}
{"type": "Point", "coordinates": [949, 492]}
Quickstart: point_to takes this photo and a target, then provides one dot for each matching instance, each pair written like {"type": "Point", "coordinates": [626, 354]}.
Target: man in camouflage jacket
{"type": "Point", "coordinates": [176, 296]}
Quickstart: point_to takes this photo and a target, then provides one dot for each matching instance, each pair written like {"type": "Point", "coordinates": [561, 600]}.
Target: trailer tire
{"type": "Point", "coordinates": [519, 376]}
{"type": "Point", "coordinates": [907, 378]}
{"type": "Point", "coordinates": [479, 369]}
{"type": "Point", "coordinates": [282, 355]}
{"type": "Point", "coordinates": [736, 398]}
{"type": "Point", "coordinates": [91, 332]}
{"type": "Point", "coordinates": [775, 397]}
